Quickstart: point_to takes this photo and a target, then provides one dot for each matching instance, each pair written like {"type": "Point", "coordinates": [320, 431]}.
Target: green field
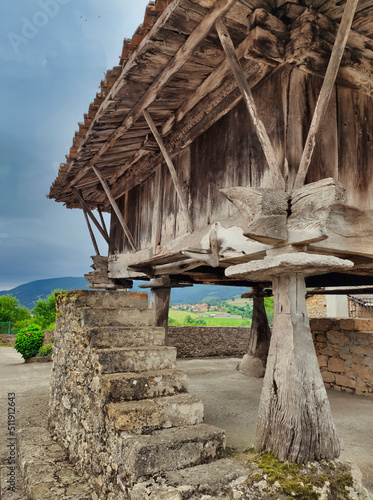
{"type": "Point", "coordinates": [179, 319]}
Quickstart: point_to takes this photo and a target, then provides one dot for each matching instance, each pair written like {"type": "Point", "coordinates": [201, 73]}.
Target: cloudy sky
{"type": "Point", "coordinates": [53, 55]}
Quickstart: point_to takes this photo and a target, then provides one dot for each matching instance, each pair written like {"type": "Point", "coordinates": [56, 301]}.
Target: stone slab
{"type": "Point", "coordinates": [145, 385]}
{"type": "Point", "coordinates": [107, 316]}
{"type": "Point", "coordinates": [109, 298]}
{"type": "Point", "coordinates": [121, 336]}
{"type": "Point", "coordinates": [297, 262]}
{"type": "Point", "coordinates": [171, 449]}
{"type": "Point", "coordinates": [136, 359]}
{"type": "Point", "coordinates": [172, 411]}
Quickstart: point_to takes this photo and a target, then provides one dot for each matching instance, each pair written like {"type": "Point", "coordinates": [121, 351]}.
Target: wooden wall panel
{"type": "Point", "coordinates": [229, 154]}
{"type": "Point", "coordinates": [355, 130]}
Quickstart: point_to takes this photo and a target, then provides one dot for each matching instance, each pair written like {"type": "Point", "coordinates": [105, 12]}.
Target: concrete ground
{"type": "Point", "coordinates": [231, 402]}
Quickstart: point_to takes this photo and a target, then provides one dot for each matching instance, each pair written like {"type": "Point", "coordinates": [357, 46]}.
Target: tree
{"type": "Point", "coordinates": [44, 311]}
{"type": "Point", "coordinates": [11, 311]}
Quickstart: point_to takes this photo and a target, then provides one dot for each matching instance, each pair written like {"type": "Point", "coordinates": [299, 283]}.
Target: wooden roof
{"type": "Point", "coordinates": [175, 68]}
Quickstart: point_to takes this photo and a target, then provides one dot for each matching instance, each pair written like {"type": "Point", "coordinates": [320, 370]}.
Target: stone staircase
{"type": "Point", "coordinates": [117, 401]}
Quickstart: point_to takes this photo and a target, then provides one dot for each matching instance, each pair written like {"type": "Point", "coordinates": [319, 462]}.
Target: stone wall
{"type": "Point", "coordinates": [344, 348]}
{"type": "Point", "coordinates": [10, 339]}
{"type": "Point", "coordinates": [208, 341]}
{"type": "Point", "coordinates": [345, 352]}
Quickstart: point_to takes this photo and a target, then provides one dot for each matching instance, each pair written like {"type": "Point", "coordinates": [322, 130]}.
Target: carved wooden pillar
{"type": "Point", "coordinates": [294, 418]}
{"type": "Point", "coordinates": [254, 362]}
{"type": "Point", "coordinates": [160, 301]}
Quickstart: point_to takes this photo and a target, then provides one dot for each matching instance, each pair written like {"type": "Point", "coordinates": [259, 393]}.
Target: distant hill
{"type": "Point", "coordinates": [29, 293]}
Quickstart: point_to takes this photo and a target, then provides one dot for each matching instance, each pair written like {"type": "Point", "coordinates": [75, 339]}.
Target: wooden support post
{"type": "Point", "coordinates": [171, 168]}
{"type": "Point", "coordinates": [160, 301]}
{"type": "Point", "coordinates": [239, 75]}
{"type": "Point", "coordinates": [254, 362]}
{"type": "Point", "coordinates": [157, 214]}
{"type": "Point", "coordinates": [326, 90]}
{"type": "Point", "coordinates": [102, 221]}
{"type": "Point", "coordinates": [294, 418]}
{"type": "Point", "coordinates": [115, 207]}
{"type": "Point", "coordinates": [92, 217]}
{"type": "Point", "coordinates": [91, 233]}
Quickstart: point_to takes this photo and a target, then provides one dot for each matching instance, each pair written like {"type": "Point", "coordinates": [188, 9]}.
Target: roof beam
{"type": "Point", "coordinates": [248, 98]}
{"type": "Point", "coordinates": [180, 58]}
{"type": "Point", "coordinates": [326, 90]}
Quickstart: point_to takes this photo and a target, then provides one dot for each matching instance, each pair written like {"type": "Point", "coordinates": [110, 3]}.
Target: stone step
{"type": "Point", "coordinates": [216, 479]}
{"type": "Point", "coordinates": [113, 298]}
{"type": "Point", "coordinates": [122, 336]}
{"type": "Point", "coordinates": [46, 470]}
{"type": "Point", "coordinates": [136, 359]}
{"type": "Point", "coordinates": [150, 414]}
{"type": "Point", "coordinates": [111, 316]}
{"type": "Point", "coordinates": [170, 449]}
{"type": "Point", "coordinates": [145, 385]}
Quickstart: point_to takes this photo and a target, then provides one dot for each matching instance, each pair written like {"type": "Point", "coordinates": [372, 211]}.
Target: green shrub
{"type": "Point", "coordinates": [29, 340]}
{"type": "Point", "coordinates": [45, 350]}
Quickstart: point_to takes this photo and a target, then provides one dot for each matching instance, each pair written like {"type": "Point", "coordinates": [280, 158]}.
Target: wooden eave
{"type": "Point", "coordinates": [123, 148]}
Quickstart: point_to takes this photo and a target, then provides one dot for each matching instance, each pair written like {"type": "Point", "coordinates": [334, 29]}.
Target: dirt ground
{"type": "Point", "coordinates": [231, 402]}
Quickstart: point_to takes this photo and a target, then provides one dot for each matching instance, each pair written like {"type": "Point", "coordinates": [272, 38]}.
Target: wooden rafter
{"type": "Point", "coordinates": [92, 217]}
{"type": "Point", "coordinates": [91, 233]}
{"type": "Point", "coordinates": [264, 139]}
{"type": "Point", "coordinates": [326, 90]}
{"type": "Point", "coordinates": [180, 58]}
{"type": "Point", "coordinates": [211, 83]}
{"type": "Point", "coordinates": [115, 207]}
{"type": "Point", "coordinates": [171, 168]}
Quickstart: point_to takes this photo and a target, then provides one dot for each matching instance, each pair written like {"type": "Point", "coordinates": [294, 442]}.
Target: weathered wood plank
{"type": "Point", "coordinates": [249, 101]}
{"type": "Point", "coordinates": [326, 90]}
{"type": "Point", "coordinates": [171, 168]}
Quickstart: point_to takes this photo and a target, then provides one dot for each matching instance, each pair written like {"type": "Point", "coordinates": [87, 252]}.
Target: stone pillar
{"type": "Point", "coordinates": [254, 362]}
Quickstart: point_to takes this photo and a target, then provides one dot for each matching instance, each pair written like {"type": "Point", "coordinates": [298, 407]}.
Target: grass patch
{"type": "Point", "coordinates": [301, 481]}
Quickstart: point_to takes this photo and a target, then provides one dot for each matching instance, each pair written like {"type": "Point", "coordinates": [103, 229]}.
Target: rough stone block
{"type": "Point", "coordinates": [173, 411]}
{"type": "Point", "coordinates": [136, 359]}
{"type": "Point", "coordinates": [336, 365]}
{"type": "Point", "coordinates": [171, 449]}
{"type": "Point", "coordinates": [145, 385]}
{"type": "Point", "coordinates": [120, 336]}
{"type": "Point", "coordinates": [105, 316]}
{"type": "Point", "coordinates": [208, 479]}
{"type": "Point", "coordinates": [365, 350]}
{"type": "Point", "coordinates": [323, 360]}
{"type": "Point", "coordinates": [338, 337]}
{"type": "Point", "coordinates": [344, 381]}
{"type": "Point", "coordinates": [328, 377]}
{"type": "Point", "coordinates": [362, 325]}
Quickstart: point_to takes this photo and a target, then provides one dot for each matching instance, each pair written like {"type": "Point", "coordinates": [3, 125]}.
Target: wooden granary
{"type": "Point", "coordinates": [234, 145]}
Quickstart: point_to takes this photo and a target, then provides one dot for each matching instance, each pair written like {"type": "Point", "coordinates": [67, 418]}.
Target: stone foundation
{"type": "Point", "coordinates": [344, 349]}
{"type": "Point", "coordinates": [117, 404]}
